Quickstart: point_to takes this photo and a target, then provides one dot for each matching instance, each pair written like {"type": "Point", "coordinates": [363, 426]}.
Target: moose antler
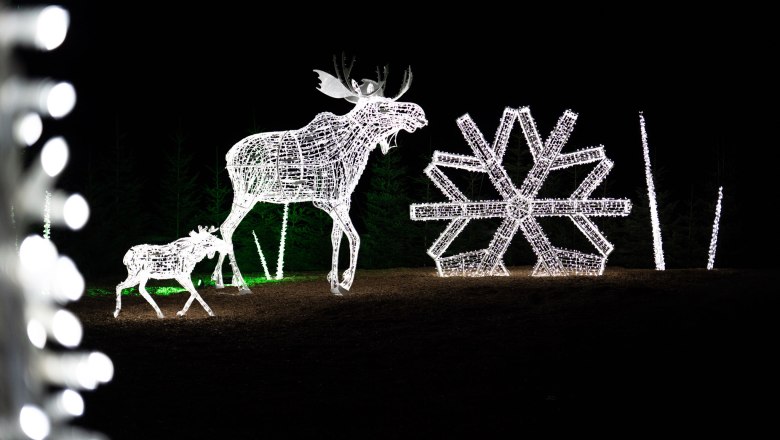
{"type": "Point", "coordinates": [338, 86]}
{"type": "Point", "coordinates": [344, 72]}
{"type": "Point", "coordinates": [405, 83]}
{"type": "Point", "coordinates": [341, 86]}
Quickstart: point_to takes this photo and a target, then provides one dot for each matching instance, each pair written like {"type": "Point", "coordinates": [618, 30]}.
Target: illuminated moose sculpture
{"type": "Point", "coordinates": [169, 261]}
{"type": "Point", "coordinates": [320, 163]}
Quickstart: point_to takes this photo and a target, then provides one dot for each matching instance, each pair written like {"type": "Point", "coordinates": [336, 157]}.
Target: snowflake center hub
{"type": "Point", "coordinates": [518, 207]}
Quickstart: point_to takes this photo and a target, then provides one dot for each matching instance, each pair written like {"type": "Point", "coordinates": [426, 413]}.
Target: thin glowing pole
{"type": "Point", "coordinates": [262, 257]}
{"type": "Point", "coordinates": [714, 239]}
{"type": "Point", "coordinates": [658, 245]}
{"type": "Point", "coordinates": [280, 259]}
{"type": "Point", "coordinates": [47, 216]}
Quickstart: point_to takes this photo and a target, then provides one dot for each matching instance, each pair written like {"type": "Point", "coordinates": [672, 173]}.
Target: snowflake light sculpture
{"type": "Point", "coordinates": [519, 206]}
{"type": "Point", "coordinates": [714, 238]}
{"type": "Point", "coordinates": [320, 163]}
{"type": "Point", "coordinates": [170, 261]}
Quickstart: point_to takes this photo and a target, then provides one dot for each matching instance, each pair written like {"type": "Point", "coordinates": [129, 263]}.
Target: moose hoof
{"type": "Point", "coordinates": [180, 313]}
{"type": "Point", "coordinates": [244, 291]}
{"type": "Point", "coordinates": [219, 286]}
{"type": "Point", "coordinates": [337, 291]}
{"type": "Point", "coordinates": [116, 313]}
{"type": "Point", "coordinates": [160, 315]}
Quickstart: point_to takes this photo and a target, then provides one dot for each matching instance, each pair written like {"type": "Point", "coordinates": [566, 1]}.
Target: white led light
{"type": "Point", "coordinates": [101, 367]}
{"type": "Point", "coordinates": [68, 282]}
{"type": "Point", "coordinates": [72, 402]}
{"type": "Point", "coordinates": [51, 27]}
{"type": "Point", "coordinates": [75, 211]}
{"type": "Point", "coordinates": [28, 128]}
{"type": "Point", "coordinates": [174, 260]}
{"type": "Point", "coordinates": [60, 100]}
{"type": "Point", "coordinates": [36, 332]}
{"type": "Point", "coordinates": [320, 163]}
{"type": "Point", "coordinates": [715, 226]}
{"type": "Point", "coordinates": [519, 206]}
{"type": "Point", "coordinates": [84, 375]}
{"type": "Point", "coordinates": [66, 328]}
{"type": "Point", "coordinates": [37, 254]}
{"type": "Point", "coordinates": [54, 156]}
{"type": "Point", "coordinates": [34, 422]}
{"type": "Point", "coordinates": [658, 244]}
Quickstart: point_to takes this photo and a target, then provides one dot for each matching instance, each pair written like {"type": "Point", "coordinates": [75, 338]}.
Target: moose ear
{"type": "Point", "coordinates": [332, 86]}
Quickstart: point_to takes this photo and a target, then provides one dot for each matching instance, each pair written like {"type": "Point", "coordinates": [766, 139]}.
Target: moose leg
{"type": "Point", "coordinates": [340, 214]}
{"type": "Point", "coordinates": [147, 297]}
{"type": "Point", "coordinates": [335, 240]}
{"type": "Point", "coordinates": [129, 282]}
{"type": "Point", "coordinates": [186, 282]}
{"type": "Point", "coordinates": [241, 206]}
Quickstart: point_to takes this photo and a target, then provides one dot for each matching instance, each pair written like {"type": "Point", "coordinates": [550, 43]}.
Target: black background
{"type": "Point", "coordinates": [143, 69]}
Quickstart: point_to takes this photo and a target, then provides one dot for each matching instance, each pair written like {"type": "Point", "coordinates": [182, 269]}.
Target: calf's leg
{"type": "Point", "coordinates": [147, 297]}
{"type": "Point", "coordinates": [129, 282]}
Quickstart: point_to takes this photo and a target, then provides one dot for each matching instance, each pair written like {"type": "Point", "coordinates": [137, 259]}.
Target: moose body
{"type": "Point", "coordinates": [320, 163]}
{"type": "Point", "coordinates": [174, 260]}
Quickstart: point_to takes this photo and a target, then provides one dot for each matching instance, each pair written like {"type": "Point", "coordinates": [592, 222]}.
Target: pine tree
{"type": "Point", "coordinates": [119, 216]}
{"type": "Point", "coordinates": [386, 218]}
{"type": "Point", "coordinates": [217, 193]}
{"type": "Point", "coordinates": [180, 191]}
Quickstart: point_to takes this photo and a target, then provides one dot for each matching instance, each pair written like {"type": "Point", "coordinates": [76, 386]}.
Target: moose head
{"type": "Point", "coordinates": [386, 115]}
{"type": "Point", "coordinates": [206, 243]}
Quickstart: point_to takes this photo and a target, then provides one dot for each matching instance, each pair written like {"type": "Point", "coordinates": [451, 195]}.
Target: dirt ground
{"type": "Point", "coordinates": [409, 354]}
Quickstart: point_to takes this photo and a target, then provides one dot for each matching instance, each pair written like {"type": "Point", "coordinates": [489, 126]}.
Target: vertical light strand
{"type": "Point", "coordinates": [714, 239]}
{"type": "Point", "coordinates": [262, 256]}
{"type": "Point", "coordinates": [13, 228]}
{"type": "Point", "coordinates": [280, 259]}
{"type": "Point", "coordinates": [47, 216]}
{"type": "Point", "coordinates": [658, 246]}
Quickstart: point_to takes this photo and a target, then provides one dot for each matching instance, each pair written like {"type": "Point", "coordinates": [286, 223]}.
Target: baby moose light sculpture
{"type": "Point", "coordinates": [174, 260]}
{"type": "Point", "coordinates": [320, 163]}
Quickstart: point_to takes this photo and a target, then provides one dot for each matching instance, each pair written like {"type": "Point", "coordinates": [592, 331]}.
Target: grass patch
{"type": "Point", "coordinates": [199, 282]}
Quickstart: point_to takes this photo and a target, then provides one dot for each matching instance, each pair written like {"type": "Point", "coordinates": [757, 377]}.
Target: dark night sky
{"type": "Point", "coordinates": [139, 70]}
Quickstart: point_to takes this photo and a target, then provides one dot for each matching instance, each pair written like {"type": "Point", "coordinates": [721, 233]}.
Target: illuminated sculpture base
{"type": "Point", "coordinates": [174, 260]}
{"type": "Point", "coordinates": [519, 206]}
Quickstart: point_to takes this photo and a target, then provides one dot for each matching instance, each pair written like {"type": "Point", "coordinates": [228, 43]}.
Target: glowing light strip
{"type": "Point", "coordinates": [715, 225]}
{"type": "Point", "coordinates": [262, 257]}
{"type": "Point", "coordinates": [658, 245]}
{"type": "Point", "coordinates": [47, 216]}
